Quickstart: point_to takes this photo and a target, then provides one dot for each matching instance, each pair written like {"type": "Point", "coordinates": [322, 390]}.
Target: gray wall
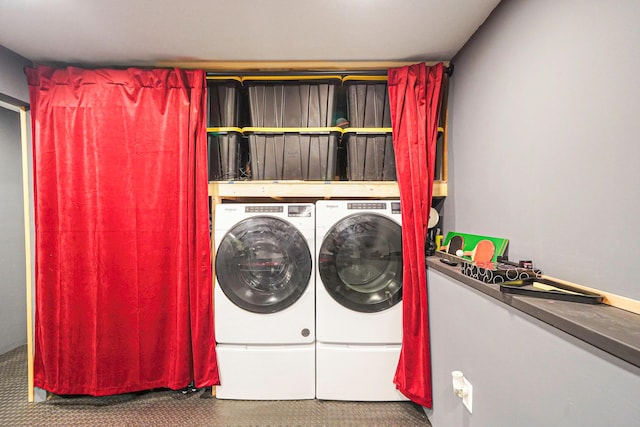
{"type": "Point", "coordinates": [524, 373]}
{"type": "Point", "coordinates": [13, 84]}
{"type": "Point", "coordinates": [544, 149]}
{"type": "Point", "coordinates": [13, 81]}
{"type": "Point", "coordinates": [12, 261]}
{"type": "Point", "coordinates": [544, 138]}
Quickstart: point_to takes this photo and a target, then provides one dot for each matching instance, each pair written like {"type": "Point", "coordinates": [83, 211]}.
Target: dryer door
{"type": "Point", "coordinates": [360, 262]}
{"type": "Point", "coordinates": [263, 264]}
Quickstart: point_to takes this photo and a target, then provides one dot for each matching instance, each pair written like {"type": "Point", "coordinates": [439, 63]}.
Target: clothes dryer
{"type": "Point", "coordinates": [358, 299]}
{"type": "Point", "coordinates": [264, 301]}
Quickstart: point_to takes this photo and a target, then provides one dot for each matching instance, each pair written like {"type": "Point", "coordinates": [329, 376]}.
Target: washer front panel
{"type": "Point", "coordinates": [263, 264]}
{"type": "Point", "coordinates": [360, 262]}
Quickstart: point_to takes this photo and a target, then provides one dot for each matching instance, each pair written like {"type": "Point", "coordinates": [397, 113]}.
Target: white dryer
{"type": "Point", "coordinates": [264, 301]}
{"type": "Point", "coordinates": [358, 299]}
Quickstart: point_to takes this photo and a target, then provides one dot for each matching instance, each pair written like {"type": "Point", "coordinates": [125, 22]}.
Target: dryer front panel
{"type": "Point", "coordinates": [263, 264]}
{"type": "Point", "coordinates": [360, 262]}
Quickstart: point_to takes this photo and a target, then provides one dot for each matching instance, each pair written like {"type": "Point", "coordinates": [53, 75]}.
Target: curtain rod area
{"type": "Point", "coordinates": [296, 67]}
{"type": "Point", "coordinates": [448, 69]}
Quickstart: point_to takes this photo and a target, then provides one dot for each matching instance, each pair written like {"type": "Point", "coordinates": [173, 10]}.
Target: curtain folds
{"type": "Point", "coordinates": [123, 273]}
{"type": "Point", "coordinates": [414, 98]}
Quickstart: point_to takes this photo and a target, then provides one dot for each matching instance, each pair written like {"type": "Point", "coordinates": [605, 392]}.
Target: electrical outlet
{"type": "Point", "coordinates": [467, 399]}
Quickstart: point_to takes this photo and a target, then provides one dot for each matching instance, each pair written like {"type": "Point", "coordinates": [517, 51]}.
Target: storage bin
{"type": "Point", "coordinates": [227, 154]}
{"type": "Point", "coordinates": [223, 101]}
{"type": "Point", "coordinates": [367, 101]}
{"type": "Point", "coordinates": [292, 101]}
{"type": "Point", "coordinates": [370, 156]}
{"type": "Point", "coordinates": [293, 155]}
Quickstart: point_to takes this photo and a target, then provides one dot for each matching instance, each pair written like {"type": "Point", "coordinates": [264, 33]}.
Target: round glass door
{"type": "Point", "coordinates": [360, 262]}
{"type": "Point", "coordinates": [263, 264]}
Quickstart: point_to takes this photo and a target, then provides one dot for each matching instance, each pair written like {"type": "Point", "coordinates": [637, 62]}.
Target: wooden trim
{"type": "Point", "coordinates": [613, 300]}
{"type": "Point", "coordinates": [13, 104]}
{"type": "Point", "coordinates": [313, 189]}
{"type": "Point", "coordinates": [27, 247]}
{"type": "Point", "coordinates": [289, 65]}
{"type": "Point", "coordinates": [445, 132]}
{"type": "Point", "coordinates": [440, 189]}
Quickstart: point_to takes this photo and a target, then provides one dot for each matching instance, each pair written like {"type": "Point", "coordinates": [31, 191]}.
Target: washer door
{"type": "Point", "coordinates": [360, 262]}
{"type": "Point", "coordinates": [263, 264]}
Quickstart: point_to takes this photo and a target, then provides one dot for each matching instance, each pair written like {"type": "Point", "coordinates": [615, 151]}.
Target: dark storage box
{"type": "Point", "coordinates": [370, 157]}
{"type": "Point", "coordinates": [498, 273]}
{"type": "Point", "coordinates": [226, 151]}
{"type": "Point", "coordinates": [292, 103]}
{"type": "Point", "coordinates": [223, 101]}
{"type": "Point", "coordinates": [292, 155]}
{"type": "Point", "coordinates": [367, 102]}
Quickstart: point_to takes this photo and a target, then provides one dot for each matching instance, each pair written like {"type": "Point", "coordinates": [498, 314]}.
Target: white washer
{"type": "Point", "coordinates": [264, 301]}
{"type": "Point", "coordinates": [358, 299]}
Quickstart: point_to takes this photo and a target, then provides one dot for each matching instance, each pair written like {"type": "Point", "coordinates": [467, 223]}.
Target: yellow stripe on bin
{"type": "Point", "coordinates": [236, 78]}
{"type": "Point", "coordinates": [364, 78]}
{"type": "Point", "coordinates": [367, 130]}
{"type": "Point", "coordinates": [307, 130]}
{"type": "Point", "coordinates": [224, 130]}
{"type": "Point", "coordinates": [291, 130]}
{"type": "Point", "coordinates": [282, 78]}
{"type": "Point", "coordinates": [374, 130]}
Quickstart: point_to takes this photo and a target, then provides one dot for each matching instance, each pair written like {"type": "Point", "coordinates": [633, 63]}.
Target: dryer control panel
{"type": "Point", "coordinates": [263, 209]}
{"type": "Point", "coordinates": [367, 205]}
{"type": "Point", "coordinates": [292, 210]}
{"type": "Point", "coordinates": [395, 206]}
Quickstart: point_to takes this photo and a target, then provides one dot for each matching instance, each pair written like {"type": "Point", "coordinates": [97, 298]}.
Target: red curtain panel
{"type": "Point", "coordinates": [123, 273]}
{"type": "Point", "coordinates": [414, 95]}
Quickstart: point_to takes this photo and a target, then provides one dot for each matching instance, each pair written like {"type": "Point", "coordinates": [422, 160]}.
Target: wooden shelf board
{"type": "Point", "coordinates": [313, 189]}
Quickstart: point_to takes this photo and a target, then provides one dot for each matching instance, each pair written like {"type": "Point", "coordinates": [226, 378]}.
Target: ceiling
{"type": "Point", "coordinates": [151, 32]}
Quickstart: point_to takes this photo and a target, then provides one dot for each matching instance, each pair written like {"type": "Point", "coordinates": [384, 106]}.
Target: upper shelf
{"type": "Point", "coordinates": [313, 189]}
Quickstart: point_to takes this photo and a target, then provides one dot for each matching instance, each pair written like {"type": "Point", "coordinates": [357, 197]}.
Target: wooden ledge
{"type": "Point", "coordinates": [611, 329]}
{"type": "Point", "coordinates": [313, 189]}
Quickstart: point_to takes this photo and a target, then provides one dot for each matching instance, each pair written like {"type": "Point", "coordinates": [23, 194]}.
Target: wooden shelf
{"type": "Point", "coordinates": [312, 189]}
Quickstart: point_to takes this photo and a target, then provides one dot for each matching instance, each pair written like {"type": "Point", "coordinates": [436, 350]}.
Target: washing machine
{"type": "Point", "coordinates": [358, 299]}
{"type": "Point", "coordinates": [265, 301]}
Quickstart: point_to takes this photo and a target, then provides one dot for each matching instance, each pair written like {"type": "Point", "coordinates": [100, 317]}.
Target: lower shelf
{"type": "Point", "coordinates": [313, 189]}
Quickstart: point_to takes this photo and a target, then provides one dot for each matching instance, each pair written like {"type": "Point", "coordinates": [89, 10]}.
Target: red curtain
{"type": "Point", "coordinates": [123, 273]}
{"type": "Point", "coordinates": [414, 97]}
